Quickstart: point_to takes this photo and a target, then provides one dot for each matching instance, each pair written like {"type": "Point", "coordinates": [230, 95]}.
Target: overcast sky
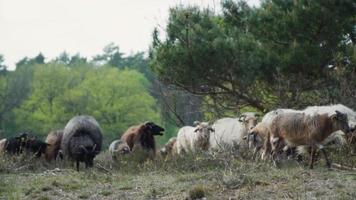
{"type": "Point", "coordinates": [28, 27]}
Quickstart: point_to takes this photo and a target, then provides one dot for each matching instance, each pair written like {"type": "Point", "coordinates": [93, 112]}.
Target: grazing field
{"type": "Point", "coordinates": [221, 176]}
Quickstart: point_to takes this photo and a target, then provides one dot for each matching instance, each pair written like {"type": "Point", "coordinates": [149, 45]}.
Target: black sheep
{"type": "Point", "coordinates": [36, 147]}
{"type": "Point", "coordinates": [82, 140]}
{"type": "Point", "coordinates": [15, 145]}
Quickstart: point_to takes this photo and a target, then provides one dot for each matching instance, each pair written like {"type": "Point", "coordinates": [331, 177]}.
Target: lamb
{"type": "Point", "coordinates": [192, 139]}
{"type": "Point", "coordinates": [296, 129]}
{"type": "Point", "coordinates": [118, 148]}
{"type": "Point", "coordinates": [54, 139]}
{"type": "Point", "coordinates": [82, 140]}
{"type": "Point", "coordinates": [230, 132]}
{"type": "Point", "coordinates": [142, 136]}
{"type": "Point", "coordinates": [170, 147]}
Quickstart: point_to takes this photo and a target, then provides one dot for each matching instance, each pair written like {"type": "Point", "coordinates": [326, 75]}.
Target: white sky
{"type": "Point", "coordinates": [28, 27]}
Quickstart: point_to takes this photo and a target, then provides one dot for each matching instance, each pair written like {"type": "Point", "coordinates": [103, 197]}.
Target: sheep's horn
{"type": "Point", "coordinates": [94, 148]}
{"type": "Point", "coordinates": [82, 147]}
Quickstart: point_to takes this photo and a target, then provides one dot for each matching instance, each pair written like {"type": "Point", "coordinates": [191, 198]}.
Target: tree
{"type": "Point", "coordinates": [2, 65]}
{"type": "Point", "coordinates": [278, 54]}
{"type": "Point", "coordinates": [39, 59]}
{"type": "Point", "coordinates": [14, 89]}
{"type": "Point", "coordinates": [111, 56]}
{"type": "Point", "coordinates": [116, 98]}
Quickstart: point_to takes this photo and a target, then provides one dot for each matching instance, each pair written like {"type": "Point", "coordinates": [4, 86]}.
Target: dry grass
{"type": "Point", "coordinates": [221, 176]}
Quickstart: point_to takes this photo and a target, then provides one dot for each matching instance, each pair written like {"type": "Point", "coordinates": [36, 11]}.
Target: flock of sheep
{"type": "Point", "coordinates": [281, 132]}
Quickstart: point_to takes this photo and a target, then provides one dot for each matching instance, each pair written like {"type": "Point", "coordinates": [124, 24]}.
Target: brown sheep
{"type": "Point", "coordinates": [296, 129]}
{"type": "Point", "coordinates": [142, 135]}
{"type": "Point", "coordinates": [170, 147]}
{"type": "Point", "coordinates": [54, 138]}
{"type": "Point", "coordinates": [256, 136]}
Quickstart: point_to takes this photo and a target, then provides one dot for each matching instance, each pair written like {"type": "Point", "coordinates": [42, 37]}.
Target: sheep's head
{"type": "Point", "coordinates": [153, 128]}
{"type": "Point", "coordinates": [168, 147]}
{"type": "Point", "coordinates": [89, 154]}
{"type": "Point", "coordinates": [253, 140]}
{"type": "Point", "coordinates": [23, 139]}
{"type": "Point", "coordinates": [249, 120]}
{"type": "Point", "coordinates": [123, 149]}
{"type": "Point", "coordinates": [340, 122]}
{"type": "Point", "coordinates": [203, 131]}
{"type": "Point", "coordinates": [277, 145]}
{"type": "Point", "coordinates": [254, 136]}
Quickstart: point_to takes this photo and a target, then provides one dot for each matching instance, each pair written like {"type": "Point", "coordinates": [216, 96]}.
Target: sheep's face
{"type": "Point", "coordinates": [203, 131]}
{"type": "Point", "coordinates": [153, 128]}
{"type": "Point", "coordinates": [124, 150]}
{"type": "Point", "coordinates": [253, 140]}
{"type": "Point", "coordinates": [23, 139]}
{"type": "Point", "coordinates": [340, 122]}
{"type": "Point", "coordinates": [249, 121]}
{"type": "Point", "coordinates": [277, 145]}
{"type": "Point", "coordinates": [88, 154]}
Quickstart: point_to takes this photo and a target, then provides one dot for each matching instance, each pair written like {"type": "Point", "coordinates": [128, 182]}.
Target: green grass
{"type": "Point", "coordinates": [221, 176]}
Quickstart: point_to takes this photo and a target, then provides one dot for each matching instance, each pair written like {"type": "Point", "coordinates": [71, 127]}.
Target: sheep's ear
{"type": "Point", "coordinates": [245, 137]}
{"type": "Point", "coordinates": [333, 117]}
{"type": "Point", "coordinates": [211, 129]}
{"type": "Point", "coordinates": [196, 130]}
{"type": "Point", "coordinates": [196, 123]}
{"type": "Point", "coordinates": [242, 119]}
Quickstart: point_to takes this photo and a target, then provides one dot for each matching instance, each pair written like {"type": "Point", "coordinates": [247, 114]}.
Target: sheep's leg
{"type": "Point", "coordinates": [78, 165]}
{"type": "Point", "coordinates": [312, 155]}
{"type": "Point", "coordinates": [328, 164]}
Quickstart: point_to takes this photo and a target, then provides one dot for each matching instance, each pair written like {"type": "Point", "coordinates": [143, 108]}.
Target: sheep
{"type": "Point", "coordinates": [230, 132]}
{"type": "Point", "coordinates": [54, 139]}
{"type": "Point", "coordinates": [118, 148]}
{"type": "Point", "coordinates": [296, 129]}
{"type": "Point", "coordinates": [36, 147]}
{"type": "Point", "coordinates": [256, 141]}
{"type": "Point", "coordinates": [142, 136]}
{"type": "Point", "coordinates": [2, 145]}
{"type": "Point", "coordinates": [330, 110]}
{"type": "Point", "coordinates": [16, 145]}
{"type": "Point", "coordinates": [351, 139]}
{"type": "Point", "coordinates": [192, 139]}
{"type": "Point", "coordinates": [82, 140]}
{"type": "Point", "coordinates": [170, 147]}
{"type": "Point", "coordinates": [256, 136]}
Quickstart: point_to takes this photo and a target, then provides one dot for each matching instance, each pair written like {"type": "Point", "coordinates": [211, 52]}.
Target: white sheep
{"type": "Point", "coordinates": [118, 148]}
{"type": "Point", "coordinates": [192, 139]}
{"type": "Point", "coordinates": [330, 110]}
{"type": "Point", "coordinates": [229, 132]}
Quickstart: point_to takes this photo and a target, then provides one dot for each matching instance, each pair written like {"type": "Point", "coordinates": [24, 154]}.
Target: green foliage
{"type": "Point", "coordinates": [116, 98]}
{"type": "Point", "coordinates": [283, 53]}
